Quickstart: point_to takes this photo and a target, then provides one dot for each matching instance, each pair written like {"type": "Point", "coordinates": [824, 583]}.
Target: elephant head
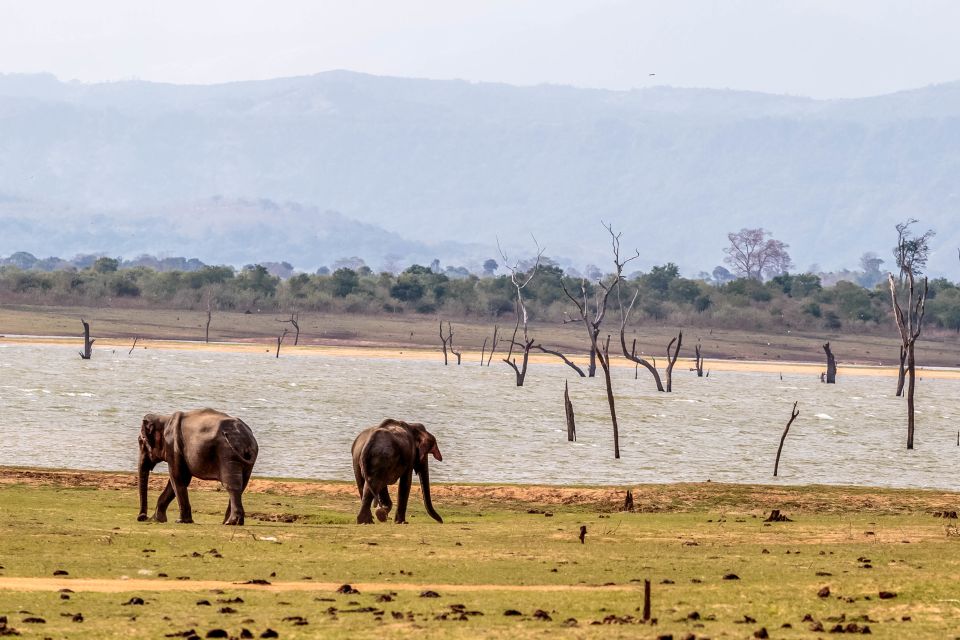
{"type": "Point", "coordinates": [152, 452]}
{"type": "Point", "coordinates": [426, 446]}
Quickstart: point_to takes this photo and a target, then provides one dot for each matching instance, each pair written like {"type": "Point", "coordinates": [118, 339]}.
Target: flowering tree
{"type": "Point", "coordinates": [753, 254]}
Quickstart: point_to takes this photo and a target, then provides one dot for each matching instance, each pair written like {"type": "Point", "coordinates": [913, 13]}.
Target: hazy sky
{"type": "Point", "coordinates": [819, 48]}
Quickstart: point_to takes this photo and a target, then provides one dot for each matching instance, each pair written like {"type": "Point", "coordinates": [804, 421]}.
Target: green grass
{"type": "Point", "coordinates": [92, 533]}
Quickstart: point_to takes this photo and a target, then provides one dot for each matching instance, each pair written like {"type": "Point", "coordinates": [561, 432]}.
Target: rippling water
{"type": "Point", "coordinates": [59, 411]}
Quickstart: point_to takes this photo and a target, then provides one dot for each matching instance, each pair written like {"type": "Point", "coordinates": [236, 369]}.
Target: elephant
{"type": "Point", "coordinates": [389, 452]}
{"type": "Point", "coordinates": [204, 443]}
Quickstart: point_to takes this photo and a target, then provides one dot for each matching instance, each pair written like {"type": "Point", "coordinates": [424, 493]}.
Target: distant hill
{"type": "Point", "coordinates": [252, 171]}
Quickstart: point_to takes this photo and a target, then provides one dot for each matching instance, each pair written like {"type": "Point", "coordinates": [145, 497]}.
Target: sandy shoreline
{"type": "Point", "coordinates": [469, 357]}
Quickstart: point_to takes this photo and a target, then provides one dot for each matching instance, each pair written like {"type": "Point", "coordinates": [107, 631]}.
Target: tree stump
{"type": "Point", "coordinates": [568, 409]}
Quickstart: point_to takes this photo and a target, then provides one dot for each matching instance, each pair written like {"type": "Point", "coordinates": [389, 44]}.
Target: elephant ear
{"type": "Point", "coordinates": [426, 444]}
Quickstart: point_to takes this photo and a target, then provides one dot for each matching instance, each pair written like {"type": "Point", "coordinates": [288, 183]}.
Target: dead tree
{"type": "Point", "coordinates": [520, 281]}
{"type": "Point", "coordinates": [134, 345]}
{"type": "Point", "coordinates": [443, 340]}
{"type": "Point", "coordinates": [592, 319]}
{"type": "Point", "coordinates": [280, 340]}
{"type": "Point", "coordinates": [295, 321]}
{"type": "Point", "coordinates": [793, 416]}
{"type": "Point", "coordinates": [902, 371]}
{"type": "Point", "coordinates": [493, 345]}
{"type": "Point", "coordinates": [698, 361]}
{"type": "Point", "coordinates": [568, 410]}
{"type": "Point", "coordinates": [672, 359]}
{"type": "Point", "coordinates": [483, 351]}
{"type": "Point", "coordinates": [448, 342]}
{"type": "Point", "coordinates": [567, 361]}
{"type": "Point", "coordinates": [831, 364]}
{"type": "Point", "coordinates": [206, 333]}
{"type": "Point", "coordinates": [87, 342]}
{"type": "Point", "coordinates": [909, 325]}
{"type": "Point", "coordinates": [911, 255]}
{"type": "Point", "coordinates": [632, 355]}
{"type": "Point", "coordinates": [525, 346]}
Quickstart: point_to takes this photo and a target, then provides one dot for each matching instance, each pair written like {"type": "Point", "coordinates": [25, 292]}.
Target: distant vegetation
{"type": "Point", "coordinates": [786, 301]}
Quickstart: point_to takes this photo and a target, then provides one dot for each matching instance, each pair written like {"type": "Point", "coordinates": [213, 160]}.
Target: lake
{"type": "Point", "coordinates": [59, 411]}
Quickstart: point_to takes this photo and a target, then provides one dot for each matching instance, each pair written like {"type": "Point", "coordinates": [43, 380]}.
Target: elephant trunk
{"type": "Point", "coordinates": [424, 472]}
{"type": "Point", "coordinates": [144, 467]}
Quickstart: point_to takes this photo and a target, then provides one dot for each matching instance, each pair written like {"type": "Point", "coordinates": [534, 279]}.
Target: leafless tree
{"type": "Point", "coordinates": [206, 333]}
{"type": "Point", "coordinates": [448, 342]}
{"type": "Point", "coordinates": [134, 345]}
{"type": "Point", "coordinates": [294, 321]}
{"type": "Point", "coordinates": [698, 361]}
{"type": "Point", "coordinates": [87, 342]}
{"type": "Point", "coordinates": [567, 361]}
{"type": "Point", "coordinates": [592, 318]}
{"type": "Point", "coordinates": [443, 340]}
{"type": "Point", "coordinates": [831, 377]}
{"type": "Point", "coordinates": [493, 344]}
{"type": "Point", "coordinates": [632, 355]}
{"type": "Point", "coordinates": [753, 254]}
{"type": "Point", "coordinates": [793, 416]}
{"type": "Point", "coordinates": [911, 255]}
{"type": "Point", "coordinates": [280, 341]}
{"type": "Point", "coordinates": [672, 354]}
{"type": "Point", "coordinates": [520, 279]}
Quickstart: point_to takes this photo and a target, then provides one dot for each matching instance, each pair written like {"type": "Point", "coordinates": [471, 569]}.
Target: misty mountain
{"type": "Point", "coordinates": [423, 168]}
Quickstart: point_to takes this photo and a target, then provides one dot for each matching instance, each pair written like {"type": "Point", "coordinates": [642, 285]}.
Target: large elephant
{"type": "Point", "coordinates": [204, 443]}
{"type": "Point", "coordinates": [389, 452]}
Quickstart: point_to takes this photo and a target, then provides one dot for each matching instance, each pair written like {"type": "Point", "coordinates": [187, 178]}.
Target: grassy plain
{"type": "Point", "coordinates": [500, 548]}
{"type": "Point", "coordinates": [403, 334]}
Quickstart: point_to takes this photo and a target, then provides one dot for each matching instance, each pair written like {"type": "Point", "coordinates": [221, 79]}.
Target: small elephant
{"type": "Point", "coordinates": [392, 451]}
{"type": "Point", "coordinates": [204, 443]}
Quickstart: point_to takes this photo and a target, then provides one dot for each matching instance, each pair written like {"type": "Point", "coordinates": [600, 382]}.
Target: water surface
{"type": "Point", "coordinates": [59, 411]}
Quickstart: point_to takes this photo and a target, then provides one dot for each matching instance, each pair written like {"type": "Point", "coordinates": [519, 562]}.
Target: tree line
{"type": "Point", "coordinates": [785, 301]}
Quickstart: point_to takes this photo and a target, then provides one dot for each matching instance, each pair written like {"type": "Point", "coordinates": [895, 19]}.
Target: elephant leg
{"type": "Point", "coordinates": [166, 497]}
{"type": "Point", "coordinates": [181, 480]}
{"type": "Point", "coordinates": [385, 505]}
{"type": "Point", "coordinates": [236, 482]}
{"type": "Point", "coordinates": [365, 517]}
{"type": "Point", "coordinates": [359, 476]}
{"type": "Point", "coordinates": [403, 494]}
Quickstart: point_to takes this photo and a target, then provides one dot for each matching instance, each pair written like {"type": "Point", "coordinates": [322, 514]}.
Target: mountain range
{"type": "Point", "coordinates": [315, 168]}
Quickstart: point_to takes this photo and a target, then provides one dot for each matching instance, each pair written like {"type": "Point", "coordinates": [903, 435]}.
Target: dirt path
{"type": "Point", "coordinates": [124, 586]}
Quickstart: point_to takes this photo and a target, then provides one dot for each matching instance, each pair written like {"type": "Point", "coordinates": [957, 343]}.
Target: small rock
{"type": "Point", "coordinates": [824, 592]}
{"type": "Point", "coordinates": [246, 633]}
{"type": "Point", "coordinates": [346, 588]}
{"type": "Point", "coordinates": [135, 600]}
{"type": "Point", "coordinates": [203, 603]}
{"type": "Point", "coordinates": [886, 595]}
{"type": "Point", "coordinates": [540, 614]}
{"type": "Point", "coordinates": [60, 572]}
{"type": "Point", "coordinates": [34, 620]}
{"type": "Point", "coordinates": [731, 576]}
{"type": "Point", "coordinates": [761, 633]}
{"type": "Point", "coordinates": [269, 633]}
{"type": "Point", "coordinates": [429, 594]}
{"type": "Point", "coordinates": [512, 612]}
{"type": "Point", "coordinates": [217, 633]}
